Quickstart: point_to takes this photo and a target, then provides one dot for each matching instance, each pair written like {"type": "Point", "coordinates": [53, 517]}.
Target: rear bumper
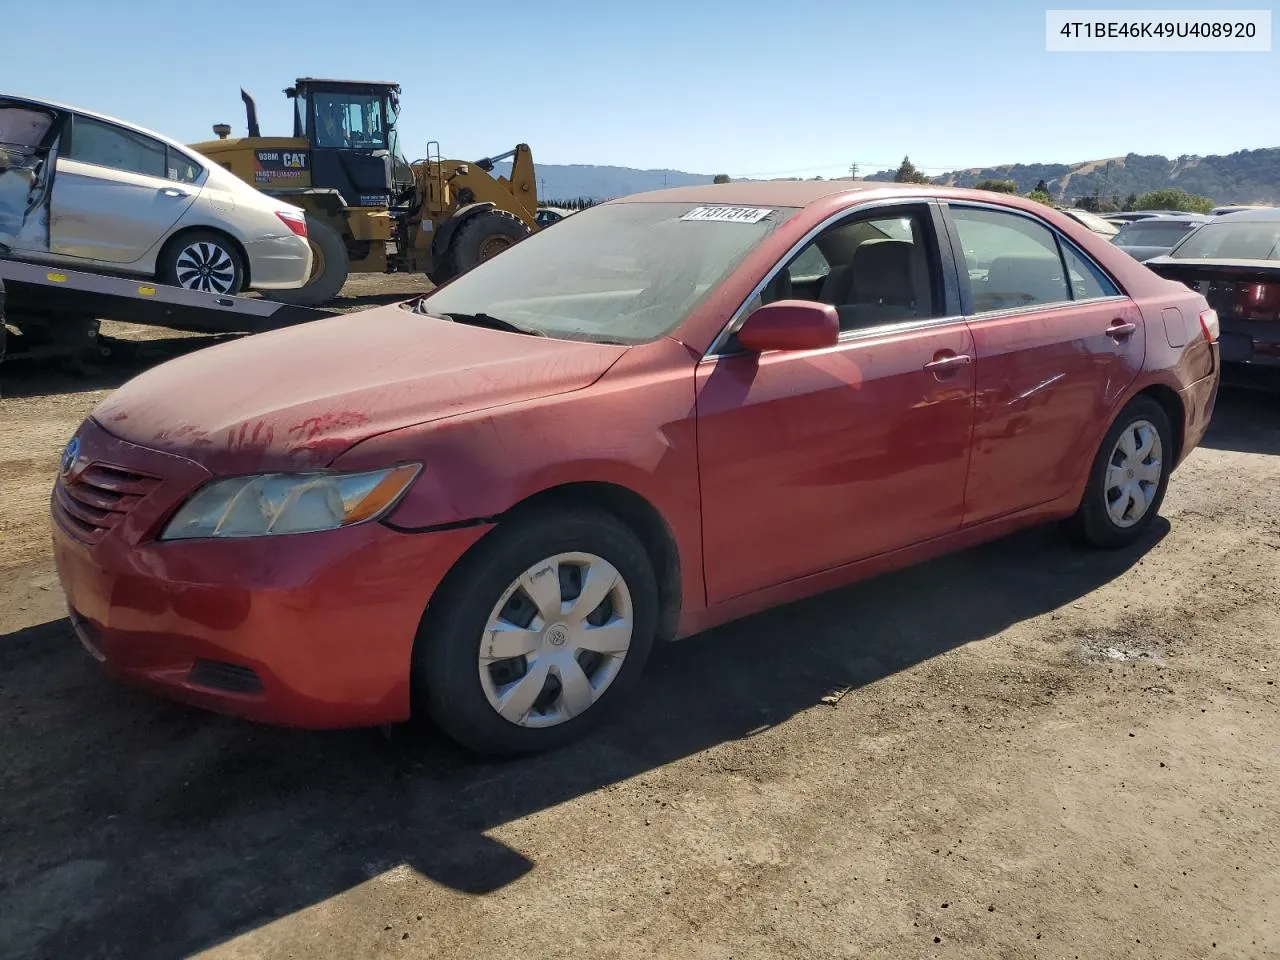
{"type": "Point", "coordinates": [1255, 343]}
{"type": "Point", "coordinates": [279, 263]}
{"type": "Point", "coordinates": [1198, 402]}
{"type": "Point", "coordinates": [314, 630]}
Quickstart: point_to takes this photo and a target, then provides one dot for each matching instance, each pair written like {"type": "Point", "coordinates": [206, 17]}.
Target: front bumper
{"type": "Point", "coordinates": [279, 263]}
{"type": "Point", "coordinates": [314, 630]}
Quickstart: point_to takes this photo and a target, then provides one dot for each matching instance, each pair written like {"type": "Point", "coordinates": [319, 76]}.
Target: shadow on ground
{"type": "Point", "coordinates": [137, 826]}
{"type": "Point", "coordinates": [1246, 421]}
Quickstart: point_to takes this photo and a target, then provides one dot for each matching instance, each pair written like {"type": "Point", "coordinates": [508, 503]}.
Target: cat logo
{"type": "Point", "coordinates": [295, 161]}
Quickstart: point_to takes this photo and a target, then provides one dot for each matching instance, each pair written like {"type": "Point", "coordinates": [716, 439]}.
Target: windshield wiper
{"type": "Point", "coordinates": [493, 323]}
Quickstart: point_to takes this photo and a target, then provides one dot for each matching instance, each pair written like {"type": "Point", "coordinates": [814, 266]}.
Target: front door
{"type": "Point", "coordinates": [113, 198]}
{"type": "Point", "coordinates": [1056, 345]}
{"type": "Point", "coordinates": [809, 460]}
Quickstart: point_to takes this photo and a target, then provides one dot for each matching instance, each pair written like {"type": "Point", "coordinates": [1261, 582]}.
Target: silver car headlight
{"type": "Point", "coordinates": [271, 504]}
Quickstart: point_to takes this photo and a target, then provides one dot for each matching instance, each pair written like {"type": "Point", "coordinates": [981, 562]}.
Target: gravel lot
{"type": "Point", "coordinates": [1026, 750]}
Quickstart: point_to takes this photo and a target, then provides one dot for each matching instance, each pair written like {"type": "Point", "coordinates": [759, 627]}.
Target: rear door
{"type": "Point", "coordinates": [813, 459]}
{"type": "Point", "coordinates": [28, 134]}
{"type": "Point", "coordinates": [117, 193]}
{"type": "Point", "coordinates": [1056, 344]}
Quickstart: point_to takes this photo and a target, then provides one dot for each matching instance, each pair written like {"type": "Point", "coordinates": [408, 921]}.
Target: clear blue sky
{"type": "Point", "coordinates": [751, 88]}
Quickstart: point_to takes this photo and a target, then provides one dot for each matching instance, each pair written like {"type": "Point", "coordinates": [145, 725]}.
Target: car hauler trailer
{"type": "Point", "coordinates": [57, 310]}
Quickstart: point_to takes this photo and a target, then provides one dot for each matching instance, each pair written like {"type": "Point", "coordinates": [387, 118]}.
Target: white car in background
{"type": "Point", "coordinates": [87, 191]}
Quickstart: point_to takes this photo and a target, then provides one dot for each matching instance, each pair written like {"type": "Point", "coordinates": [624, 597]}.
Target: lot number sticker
{"type": "Point", "coordinates": [728, 214]}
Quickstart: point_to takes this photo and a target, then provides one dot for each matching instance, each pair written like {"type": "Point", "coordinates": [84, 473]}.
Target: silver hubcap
{"type": "Point", "coordinates": [556, 640]}
{"type": "Point", "coordinates": [206, 266]}
{"type": "Point", "coordinates": [1133, 473]}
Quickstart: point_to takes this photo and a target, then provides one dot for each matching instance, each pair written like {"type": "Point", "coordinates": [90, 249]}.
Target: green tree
{"type": "Point", "coordinates": [721, 178]}
{"type": "Point", "coordinates": [999, 186]}
{"type": "Point", "coordinates": [1041, 196]}
{"type": "Point", "coordinates": [1041, 187]}
{"type": "Point", "coordinates": [1173, 199]}
{"type": "Point", "coordinates": [907, 173]}
{"type": "Point", "coordinates": [1130, 202]}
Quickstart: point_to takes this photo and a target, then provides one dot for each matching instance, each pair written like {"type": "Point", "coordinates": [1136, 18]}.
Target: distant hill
{"type": "Point", "coordinates": [1246, 176]}
{"type": "Point", "coordinates": [574, 180]}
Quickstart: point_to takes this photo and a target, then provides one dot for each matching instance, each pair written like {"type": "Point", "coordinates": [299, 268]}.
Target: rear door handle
{"type": "Point", "coordinates": [174, 192]}
{"type": "Point", "coordinates": [947, 363]}
{"type": "Point", "coordinates": [1119, 329]}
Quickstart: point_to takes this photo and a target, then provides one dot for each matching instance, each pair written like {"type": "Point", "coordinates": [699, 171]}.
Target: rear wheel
{"type": "Point", "coordinates": [484, 236]}
{"type": "Point", "coordinates": [330, 265]}
{"type": "Point", "coordinates": [1128, 479]}
{"type": "Point", "coordinates": [202, 260]}
{"type": "Point", "coordinates": [538, 634]}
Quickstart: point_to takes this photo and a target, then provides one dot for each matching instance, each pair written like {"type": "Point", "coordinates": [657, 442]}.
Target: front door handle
{"type": "Point", "coordinates": [174, 192]}
{"type": "Point", "coordinates": [1119, 329]}
{"type": "Point", "coordinates": [942, 364]}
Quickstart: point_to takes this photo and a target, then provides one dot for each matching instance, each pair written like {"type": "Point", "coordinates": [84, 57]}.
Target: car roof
{"type": "Point", "coordinates": [803, 193]}
{"type": "Point", "coordinates": [1263, 214]}
{"type": "Point", "coordinates": [94, 114]}
{"type": "Point", "coordinates": [1174, 217]}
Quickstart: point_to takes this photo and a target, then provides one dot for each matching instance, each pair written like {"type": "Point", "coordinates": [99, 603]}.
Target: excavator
{"type": "Point", "coordinates": [368, 209]}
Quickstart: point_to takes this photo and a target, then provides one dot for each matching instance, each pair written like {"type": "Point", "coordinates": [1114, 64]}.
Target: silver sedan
{"type": "Point", "coordinates": [88, 191]}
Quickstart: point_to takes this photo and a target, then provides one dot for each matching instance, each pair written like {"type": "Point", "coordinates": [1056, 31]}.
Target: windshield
{"type": "Point", "coordinates": [622, 272]}
{"type": "Point", "coordinates": [1244, 240]}
{"type": "Point", "coordinates": [1147, 233]}
{"type": "Point", "coordinates": [349, 120]}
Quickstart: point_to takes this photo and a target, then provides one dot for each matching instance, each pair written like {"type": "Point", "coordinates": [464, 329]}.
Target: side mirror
{"type": "Point", "coordinates": [790, 325]}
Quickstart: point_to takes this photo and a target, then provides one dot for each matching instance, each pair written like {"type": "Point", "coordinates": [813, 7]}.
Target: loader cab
{"type": "Point", "coordinates": [350, 126]}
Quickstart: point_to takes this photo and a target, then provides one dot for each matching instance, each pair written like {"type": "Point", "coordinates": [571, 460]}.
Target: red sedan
{"type": "Point", "coordinates": [672, 410]}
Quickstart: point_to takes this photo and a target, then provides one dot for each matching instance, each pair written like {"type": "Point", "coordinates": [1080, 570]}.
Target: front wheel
{"type": "Point", "coordinates": [539, 634]}
{"type": "Point", "coordinates": [202, 260]}
{"type": "Point", "coordinates": [1128, 478]}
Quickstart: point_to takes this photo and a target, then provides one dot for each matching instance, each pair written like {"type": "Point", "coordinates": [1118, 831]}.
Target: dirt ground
{"type": "Point", "coordinates": [1026, 750]}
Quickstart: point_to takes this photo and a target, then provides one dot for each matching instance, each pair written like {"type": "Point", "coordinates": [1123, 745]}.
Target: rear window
{"type": "Point", "coordinates": [1148, 233]}
{"type": "Point", "coordinates": [1245, 240]}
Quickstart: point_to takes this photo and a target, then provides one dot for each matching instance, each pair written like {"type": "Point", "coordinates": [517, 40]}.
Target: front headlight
{"type": "Point", "coordinates": [276, 503]}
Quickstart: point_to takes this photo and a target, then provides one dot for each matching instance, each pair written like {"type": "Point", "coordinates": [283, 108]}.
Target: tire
{"type": "Point", "coordinates": [202, 260]}
{"type": "Point", "coordinates": [330, 266]}
{"type": "Point", "coordinates": [482, 236]}
{"type": "Point", "coordinates": [462, 692]}
{"type": "Point", "coordinates": [1118, 475]}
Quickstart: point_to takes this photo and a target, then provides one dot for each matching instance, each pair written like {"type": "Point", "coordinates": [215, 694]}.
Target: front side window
{"type": "Point", "coordinates": [106, 145]}
{"type": "Point", "coordinates": [1012, 260]}
{"type": "Point", "coordinates": [618, 272]}
{"type": "Point", "coordinates": [874, 269]}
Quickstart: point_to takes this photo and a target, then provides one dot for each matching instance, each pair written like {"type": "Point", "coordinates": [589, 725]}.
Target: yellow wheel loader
{"type": "Point", "coordinates": [368, 209]}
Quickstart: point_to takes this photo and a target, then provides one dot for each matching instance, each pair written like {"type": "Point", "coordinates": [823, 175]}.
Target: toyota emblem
{"type": "Point", "coordinates": [69, 454]}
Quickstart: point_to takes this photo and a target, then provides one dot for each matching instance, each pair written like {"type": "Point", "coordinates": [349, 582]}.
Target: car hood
{"type": "Point", "coordinates": [299, 397]}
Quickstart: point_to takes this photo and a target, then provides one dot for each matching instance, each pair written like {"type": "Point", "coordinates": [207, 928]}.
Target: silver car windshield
{"type": "Point", "coordinates": [621, 272]}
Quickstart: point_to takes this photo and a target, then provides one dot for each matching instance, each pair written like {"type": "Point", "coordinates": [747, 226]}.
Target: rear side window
{"type": "Point", "coordinates": [182, 168]}
{"type": "Point", "coordinates": [1087, 281]}
{"type": "Point", "coordinates": [1012, 260]}
{"type": "Point", "coordinates": [106, 145]}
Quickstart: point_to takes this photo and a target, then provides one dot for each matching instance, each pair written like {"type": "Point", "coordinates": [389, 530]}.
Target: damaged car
{"type": "Point", "coordinates": [90, 192]}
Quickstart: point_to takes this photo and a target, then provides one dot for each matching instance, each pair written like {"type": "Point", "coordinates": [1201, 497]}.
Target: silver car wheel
{"type": "Point", "coordinates": [1133, 473]}
{"type": "Point", "coordinates": [206, 267]}
{"type": "Point", "coordinates": [556, 640]}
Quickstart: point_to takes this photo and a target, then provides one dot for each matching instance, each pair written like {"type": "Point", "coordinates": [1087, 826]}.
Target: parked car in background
{"type": "Point", "coordinates": [92, 192]}
{"type": "Point", "coordinates": [675, 409]}
{"type": "Point", "coordinates": [1219, 211]}
{"type": "Point", "coordinates": [1153, 236]}
{"type": "Point", "coordinates": [1234, 262]}
{"type": "Point", "coordinates": [549, 215]}
{"type": "Point", "coordinates": [1094, 222]}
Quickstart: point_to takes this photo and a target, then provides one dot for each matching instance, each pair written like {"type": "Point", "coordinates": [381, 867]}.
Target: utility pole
{"type": "Point", "coordinates": [853, 171]}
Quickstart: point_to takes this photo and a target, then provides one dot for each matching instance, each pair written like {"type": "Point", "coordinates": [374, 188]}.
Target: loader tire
{"type": "Point", "coordinates": [483, 236]}
{"type": "Point", "coordinates": [330, 265]}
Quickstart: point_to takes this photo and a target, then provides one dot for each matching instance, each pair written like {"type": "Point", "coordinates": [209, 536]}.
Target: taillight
{"type": "Point", "coordinates": [296, 222]}
{"type": "Point", "coordinates": [1209, 324]}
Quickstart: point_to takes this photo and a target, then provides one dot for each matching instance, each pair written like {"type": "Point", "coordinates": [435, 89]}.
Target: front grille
{"type": "Point", "coordinates": [231, 677]}
{"type": "Point", "coordinates": [99, 497]}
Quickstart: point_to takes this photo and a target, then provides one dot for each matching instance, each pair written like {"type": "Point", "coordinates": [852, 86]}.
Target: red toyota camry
{"type": "Point", "coordinates": [672, 410]}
